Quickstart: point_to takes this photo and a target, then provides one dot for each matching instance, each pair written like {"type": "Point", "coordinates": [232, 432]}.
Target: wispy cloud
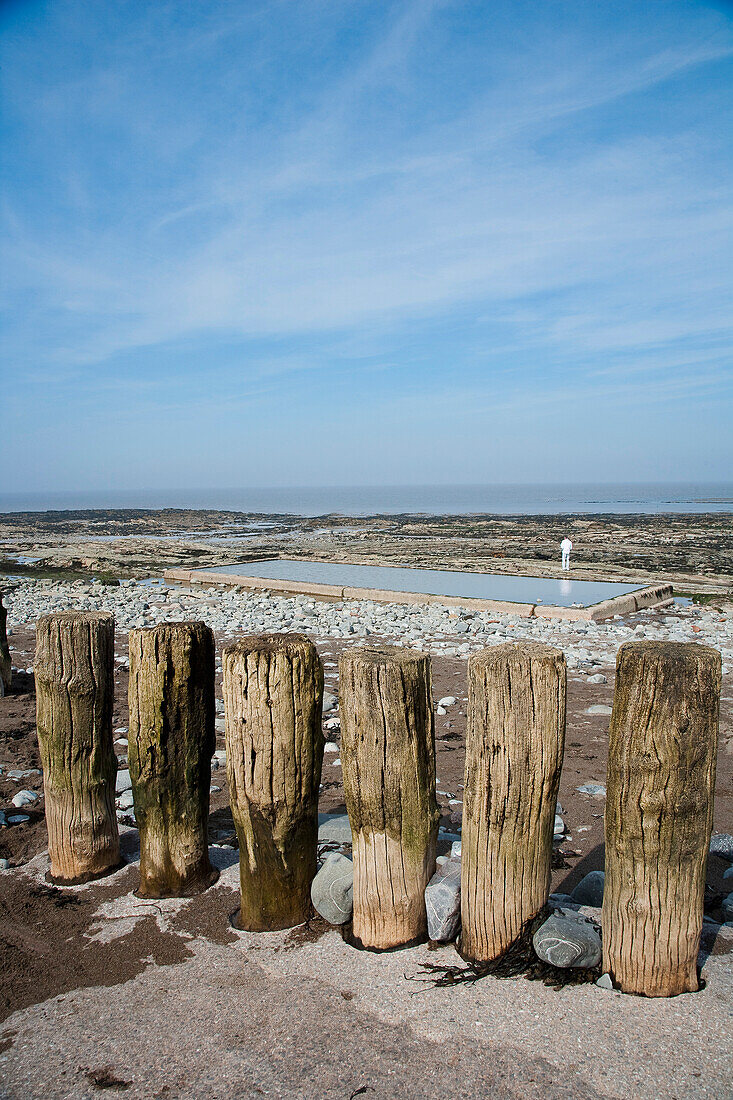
{"type": "Point", "coordinates": [555, 188]}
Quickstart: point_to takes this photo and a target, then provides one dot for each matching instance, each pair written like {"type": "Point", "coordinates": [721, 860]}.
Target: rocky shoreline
{"type": "Point", "coordinates": [692, 552]}
{"type": "Point", "coordinates": [454, 632]}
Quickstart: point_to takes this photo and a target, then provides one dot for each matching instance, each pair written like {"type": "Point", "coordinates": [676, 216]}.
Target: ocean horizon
{"type": "Point", "coordinates": [505, 499]}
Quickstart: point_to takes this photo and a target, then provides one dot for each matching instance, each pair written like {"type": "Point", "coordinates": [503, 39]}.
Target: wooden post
{"type": "Point", "coordinates": [273, 698]}
{"type": "Point", "coordinates": [6, 674]}
{"type": "Point", "coordinates": [659, 814]}
{"type": "Point", "coordinates": [388, 759]}
{"type": "Point", "coordinates": [170, 744]}
{"type": "Point", "coordinates": [514, 748]}
{"type": "Point", "coordinates": [74, 702]}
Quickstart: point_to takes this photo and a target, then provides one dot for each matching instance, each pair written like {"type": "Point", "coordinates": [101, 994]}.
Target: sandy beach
{"type": "Point", "coordinates": [302, 1013]}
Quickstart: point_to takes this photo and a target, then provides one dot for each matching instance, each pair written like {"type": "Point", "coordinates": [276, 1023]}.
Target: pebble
{"type": "Point", "coordinates": [429, 626]}
{"type": "Point", "coordinates": [221, 757]}
{"type": "Point", "coordinates": [24, 798]}
{"type": "Point", "coordinates": [599, 708]}
{"type": "Point", "coordinates": [14, 774]}
{"type": "Point", "coordinates": [597, 678]}
{"type": "Point", "coordinates": [330, 702]}
{"type": "Point", "coordinates": [332, 889]}
{"type": "Point", "coordinates": [17, 819]}
{"type": "Point", "coordinates": [605, 982]}
{"type": "Point", "coordinates": [123, 782]}
{"type": "Point", "coordinates": [125, 801]}
{"type": "Point", "coordinates": [567, 941]}
{"type": "Point", "coordinates": [447, 701]}
{"type": "Point", "coordinates": [596, 789]}
{"type": "Point", "coordinates": [443, 902]}
{"type": "Point", "coordinates": [330, 746]}
{"type": "Point", "coordinates": [721, 844]}
{"type": "Point", "coordinates": [4, 864]}
{"type": "Point", "coordinates": [589, 890]}
{"type": "Point", "coordinates": [334, 829]}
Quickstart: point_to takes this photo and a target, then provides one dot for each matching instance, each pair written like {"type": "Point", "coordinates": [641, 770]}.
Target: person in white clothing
{"type": "Point", "coordinates": [566, 546]}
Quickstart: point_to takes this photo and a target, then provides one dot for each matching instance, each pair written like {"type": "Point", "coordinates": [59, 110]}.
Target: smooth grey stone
{"type": "Point", "coordinates": [589, 890]}
{"type": "Point", "coordinates": [443, 902]}
{"type": "Point", "coordinates": [3, 819]}
{"type": "Point", "coordinates": [722, 845]}
{"type": "Point", "coordinates": [23, 798]}
{"type": "Point", "coordinates": [125, 800]}
{"type": "Point", "coordinates": [123, 781]}
{"type": "Point", "coordinates": [559, 827]}
{"type": "Point", "coordinates": [727, 907]}
{"type": "Point", "coordinates": [4, 863]}
{"type": "Point", "coordinates": [592, 788]}
{"type": "Point", "coordinates": [598, 708]}
{"type": "Point", "coordinates": [17, 819]}
{"type": "Point", "coordinates": [330, 702]}
{"type": "Point", "coordinates": [334, 829]}
{"type": "Point", "coordinates": [604, 982]}
{"type": "Point", "coordinates": [15, 774]}
{"type": "Point", "coordinates": [558, 901]}
{"type": "Point", "coordinates": [332, 889]}
{"type": "Point", "coordinates": [597, 678]}
{"type": "Point", "coordinates": [566, 941]}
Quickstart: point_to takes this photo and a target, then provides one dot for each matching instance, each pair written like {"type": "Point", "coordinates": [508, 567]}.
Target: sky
{"type": "Point", "coordinates": [334, 242]}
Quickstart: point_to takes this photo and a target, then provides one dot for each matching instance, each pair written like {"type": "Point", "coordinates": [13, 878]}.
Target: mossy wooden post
{"type": "Point", "coordinates": [514, 749]}
{"type": "Point", "coordinates": [659, 814]}
{"type": "Point", "coordinates": [388, 760]}
{"type": "Point", "coordinates": [74, 701]}
{"type": "Point", "coordinates": [273, 699]}
{"type": "Point", "coordinates": [170, 744]}
{"type": "Point", "coordinates": [6, 674]}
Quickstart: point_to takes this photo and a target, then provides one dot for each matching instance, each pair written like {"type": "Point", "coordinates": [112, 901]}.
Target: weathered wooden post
{"type": "Point", "coordinates": [170, 743]}
{"type": "Point", "coordinates": [6, 673]}
{"type": "Point", "coordinates": [514, 748]}
{"type": "Point", "coordinates": [273, 698]}
{"type": "Point", "coordinates": [659, 814]}
{"type": "Point", "coordinates": [388, 759]}
{"type": "Point", "coordinates": [74, 701]}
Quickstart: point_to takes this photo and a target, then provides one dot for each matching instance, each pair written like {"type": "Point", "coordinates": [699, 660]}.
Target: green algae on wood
{"type": "Point", "coordinates": [273, 699]}
{"type": "Point", "coordinates": [388, 760]}
{"type": "Point", "coordinates": [170, 744]}
{"type": "Point", "coordinates": [74, 674]}
{"type": "Point", "coordinates": [659, 814]}
{"type": "Point", "coordinates": [515, 737]}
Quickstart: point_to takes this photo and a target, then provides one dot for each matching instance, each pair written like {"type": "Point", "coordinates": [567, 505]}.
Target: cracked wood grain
{"type": "Point", "coordinates": [515, 738]}
{"type": "Point", "coordinates": [659, 813]}
{"type": "Point", "coordinates": [74, 702]}
{"type": "Point", "coordinates": [171, 740]}
{"type": "Point", "coordinates": [388, 759]}
{"type": "Point", "coordinates": [273, 699]}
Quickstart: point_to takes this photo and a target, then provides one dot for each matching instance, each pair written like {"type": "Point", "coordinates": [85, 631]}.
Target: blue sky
{"type": "Point", "coordinates": [328, 242]}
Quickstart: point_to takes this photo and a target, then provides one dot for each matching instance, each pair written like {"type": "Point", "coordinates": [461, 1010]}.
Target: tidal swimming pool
{"type": "Point", "coordinates": [560, 592]}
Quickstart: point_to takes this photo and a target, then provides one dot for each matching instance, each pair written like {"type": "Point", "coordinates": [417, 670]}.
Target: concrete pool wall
{"type": "Point", "coordinates": [624, 603]}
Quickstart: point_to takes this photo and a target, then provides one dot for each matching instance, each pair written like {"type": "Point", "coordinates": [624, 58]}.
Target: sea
{"type": "Point", "coordinates": [525, 499]}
